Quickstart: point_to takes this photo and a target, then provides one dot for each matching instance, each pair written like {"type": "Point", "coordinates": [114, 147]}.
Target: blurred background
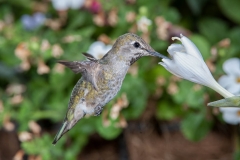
{"type": "Point", "coordinates": [155, 116]}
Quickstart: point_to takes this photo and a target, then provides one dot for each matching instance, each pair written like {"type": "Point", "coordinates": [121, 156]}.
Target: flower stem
{"type": "Point", "coordinates": [218, 88]}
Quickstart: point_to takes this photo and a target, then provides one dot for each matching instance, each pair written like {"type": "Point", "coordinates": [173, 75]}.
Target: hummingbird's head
{"type": "Point", "coordinates": [130, 47]}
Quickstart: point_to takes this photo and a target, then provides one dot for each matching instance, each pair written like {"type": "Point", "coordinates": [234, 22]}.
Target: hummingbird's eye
{"type": "Point", "coordinates": [136, 45]}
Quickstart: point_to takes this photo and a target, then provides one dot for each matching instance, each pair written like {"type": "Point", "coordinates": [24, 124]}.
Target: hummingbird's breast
{"type": "Point", "coordinates": [109, 84]}
{"type": "Point", "coordinates": [85, 97]}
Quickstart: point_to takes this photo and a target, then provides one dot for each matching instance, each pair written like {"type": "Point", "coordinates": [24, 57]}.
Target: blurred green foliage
{"type": "Point", "coordinates": [46, 95]}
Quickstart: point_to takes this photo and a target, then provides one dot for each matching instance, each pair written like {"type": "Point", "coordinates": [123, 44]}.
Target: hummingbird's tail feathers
{"type": "Point", "coordinates": [75, 66]}
{"type": "Point", "coordinates": [68, 124]}
{"type": "Point", "coordinates": [61, 132]}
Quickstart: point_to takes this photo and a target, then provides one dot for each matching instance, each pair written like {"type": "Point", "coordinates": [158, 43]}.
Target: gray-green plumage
{"type": "Point", "coordinates": [102, 79]}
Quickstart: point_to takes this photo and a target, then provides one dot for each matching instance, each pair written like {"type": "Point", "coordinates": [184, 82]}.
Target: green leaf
{"type": "Point", "coordinates": [44, 147]}
{"type": "Point", "coordinates": [86, 125]}
{"type": "Point", "coordinates": [76, 20]}
{"type": "Point", "coordinates": [160, 46]}
{"type": "Point", "coordinates": [188, 95]}
{"type": "Point", "coordinates": [168, 111]}
{"type": "Point", "coordinates": [231, 9]}
{"type": "Point", "coordinates": [48, 114]}
{"type": "Point", "coordinates": [24, 114]}
{"type": "Point", "coordinates": [195, 126]}
{"type": "Point", "coordinates": [108, 132]}
{"type": "Point", "coordinates": [227, 102]}
{"type": "Point", "coordinates": [234, 36]}
{"type": "Point", "coordinates": [150, 76]}
{"type": "Point", "coordinates": [172, 15]}
{"type": "Point", "coordinates": [137, 95]}
{"type": "Point", "coordinates": [234, 49]}
{"type": "Point", "coordinates": [213, 29]}
{"type": "Point", "coordinates": [60, 81]}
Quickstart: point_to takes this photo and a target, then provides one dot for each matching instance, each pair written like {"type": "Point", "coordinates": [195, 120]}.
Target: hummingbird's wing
{"type": "Point", "coordinates": [75, 66]}
{"type": "Point", "coordinates": [88, 69]}
{"type": "Point", "coordinates": [90, 57]}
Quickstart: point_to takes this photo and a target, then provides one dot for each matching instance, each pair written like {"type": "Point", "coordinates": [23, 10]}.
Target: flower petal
{"type": "Point", "coordinates": [60, 4]}
{"type": "Point", "coordinates": [175, 48]}
{"type": "Point", "coordinates": [229, 109]}
{"type": "Point", "coordinates": [76, 4]}
{"type": "Point", "coordinates": [234, 89]}
{"type": "Point", "coordinates": [191, 47]}
{"type": "Point", "coordinates": [108, 48]}
{"type": "Point", "coordinates": [232, 66]}
{"type": "Point", "coordinates": [192, 69]}
{"type": "Point", "coordinates": [229, 83]}
{"type": "Point", "coordinates": [230, 115]}
{"type": "Point", "coordinates": [143, 23]}
{"type": "Point", "coordinates": [227, 80]}
{"type": "Point", "coordinates": [230, 118]}
{"type": "Point", "coordinates": [39, 18]}
{"type": "Point", "coordinates": [169, 65]}
{"type": "Point", "coordinates": [28, 22]}
{"type": "Point", "coordinates": [98, 49]}
{"type": "Point", "coordinates": [95, 47]}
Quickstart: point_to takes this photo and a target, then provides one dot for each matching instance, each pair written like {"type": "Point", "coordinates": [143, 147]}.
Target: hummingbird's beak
{"type": "Point", "coordinates": [156, 54]}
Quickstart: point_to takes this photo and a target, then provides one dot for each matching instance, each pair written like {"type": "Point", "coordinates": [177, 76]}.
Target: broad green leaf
{"type": "Point", "coordinates": [137, 95]}
{"type": "Point", "coordinates": [168, 111]}
{"type": "Point", "coordinates": [213, 29]}
{"type": "Point", "coordinates": [195, 126]}
{"type": "Point", "coordinates": [190, 94]}
{"type": "Point", "coordinates": [231, 9]}
{"type": "Point", "coordinates": [172, 15]}
{"type": "Point", "coordinates": [108, 132]}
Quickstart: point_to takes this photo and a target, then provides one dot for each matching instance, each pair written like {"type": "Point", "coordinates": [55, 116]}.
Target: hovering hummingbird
{"type": "Point", "coordinates": [102, 78]}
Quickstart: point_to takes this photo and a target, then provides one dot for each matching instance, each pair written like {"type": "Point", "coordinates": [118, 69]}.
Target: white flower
{"type": "Point", "coordinates": [231, 115]}
{"type": "Point", "coordinates": [187, 62]}
{"type": "Point", "coordinates": [231, 82]}
{"type": "Point", "coordinates": [143, 23]}
{"type": "Point", "coordinates": [66, 4]}
{"type": "Point", "coordinates": [98, 49]}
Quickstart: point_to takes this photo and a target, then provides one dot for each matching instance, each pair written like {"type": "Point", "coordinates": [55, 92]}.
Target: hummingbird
{"type": "Point", "coordinates": [101, 78]}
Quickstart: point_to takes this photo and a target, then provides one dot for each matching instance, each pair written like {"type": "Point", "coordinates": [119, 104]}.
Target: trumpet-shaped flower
{"type": "Point", "coordinates": [187, 62]}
